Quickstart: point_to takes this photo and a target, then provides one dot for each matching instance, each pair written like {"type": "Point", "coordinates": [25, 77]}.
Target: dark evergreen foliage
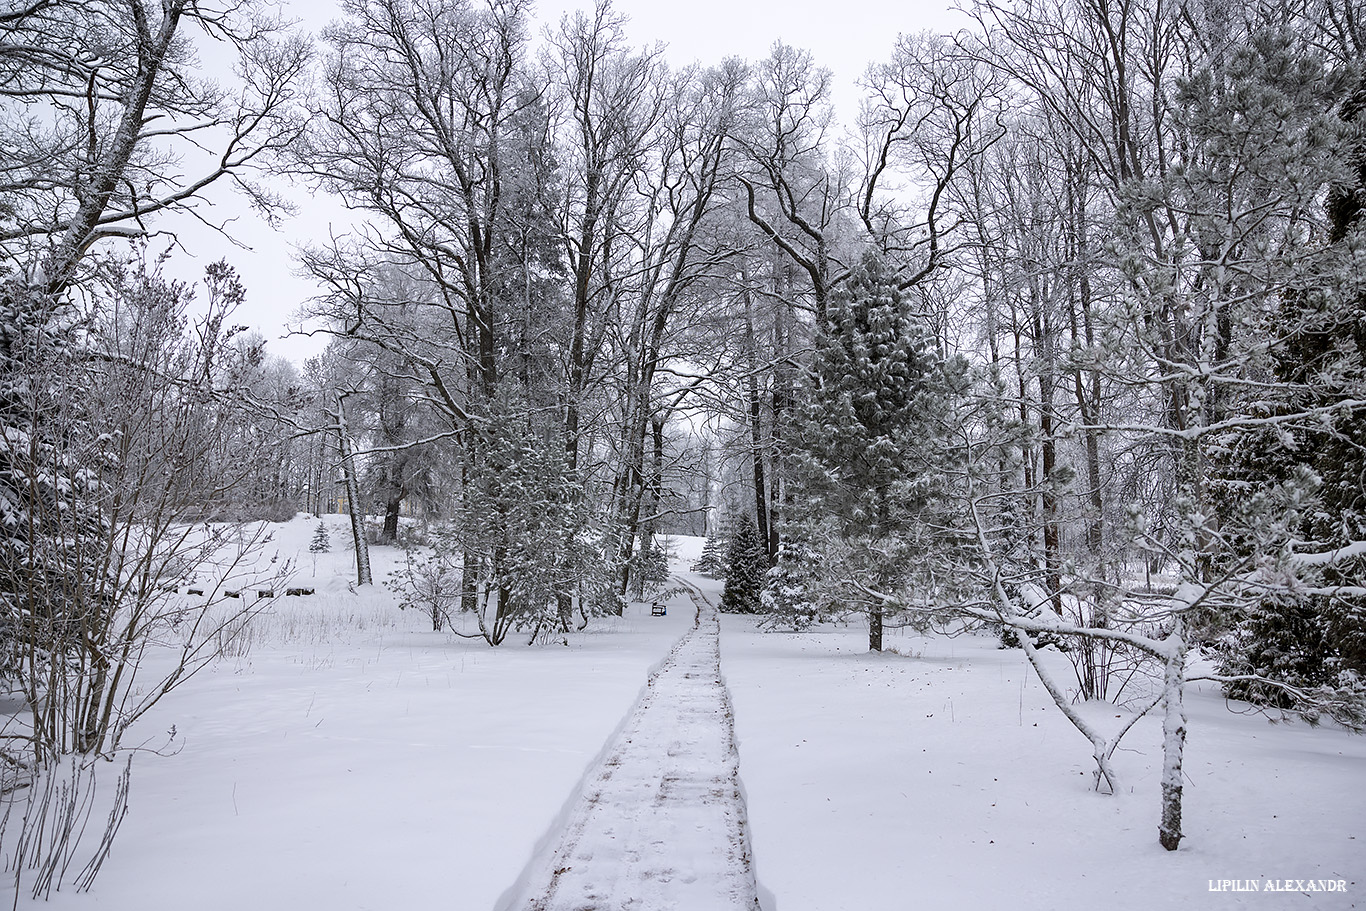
{"type": "Point", "coordinates": [746, 563]}
{"type": "Point", "coordinates": [1290, 635]}
{"type": "Point", "coordinates": [712, 561]}
{"type": "Point", "coordinates": [870, 453]}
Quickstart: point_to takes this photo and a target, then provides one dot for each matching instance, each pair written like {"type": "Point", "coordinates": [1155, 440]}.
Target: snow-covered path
{"type": "Point", "coordinates": [662, 823]}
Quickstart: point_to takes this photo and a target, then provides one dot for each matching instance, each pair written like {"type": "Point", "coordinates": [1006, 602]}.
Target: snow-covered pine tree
{"type": "Point", "coordinates": [712, 561]}
{"type": "Point", "coordinates": [1306, 435]}
{"type": "Point", "coordinates": [1260, 142]}
{"type": "Point", "coordinates": [746, 563]}
{"type": "Point", "coordinates": [319, 545]}
{"type": "Point", "coordinates": [871, 446]}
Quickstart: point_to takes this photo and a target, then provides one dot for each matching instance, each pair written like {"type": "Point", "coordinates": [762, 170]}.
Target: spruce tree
{"type": "Point", "coordinates": [787, 601]}
{"type": "Point", "coordinates": [319, 545]}
{"type": "Point", "coordinates": [746, 563]}
{"type": "Point", "coordinates": [712, 561]}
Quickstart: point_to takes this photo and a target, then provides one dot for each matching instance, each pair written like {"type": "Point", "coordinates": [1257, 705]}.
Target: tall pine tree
{"type": "Point", "coordinates": [1309, 634]}
{"type": "Point", "coordinates": [870, 449]}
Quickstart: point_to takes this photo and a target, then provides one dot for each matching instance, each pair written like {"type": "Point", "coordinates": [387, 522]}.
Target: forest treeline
{"type": "Point", "coordinates": [1062, 330]}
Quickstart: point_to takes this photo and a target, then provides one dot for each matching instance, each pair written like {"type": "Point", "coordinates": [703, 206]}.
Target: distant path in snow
{"type": "Point", "coordinates": [662, 824]}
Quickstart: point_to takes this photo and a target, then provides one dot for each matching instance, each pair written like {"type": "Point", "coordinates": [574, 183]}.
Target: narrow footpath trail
{"type": "Point", "coordinates": [662, 823]}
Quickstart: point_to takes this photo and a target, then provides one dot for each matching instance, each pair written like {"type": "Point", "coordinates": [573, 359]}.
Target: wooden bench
{"type": "Point", "coordinates": [658, 610]}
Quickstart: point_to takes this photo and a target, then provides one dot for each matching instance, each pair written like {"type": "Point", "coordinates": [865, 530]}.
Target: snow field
{"type": "Point", "coordinates": [948, 780]}
{"type": "Point", "coordinates": [353, 759]}
{"type": "Point", "coordinates": [347, 757]}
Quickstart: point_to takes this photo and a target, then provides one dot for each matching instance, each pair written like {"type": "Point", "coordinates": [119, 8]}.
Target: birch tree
{"type": "Point", "coordinates": [1211, 136]}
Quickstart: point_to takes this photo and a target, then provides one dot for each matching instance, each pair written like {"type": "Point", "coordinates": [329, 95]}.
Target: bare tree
{"type": "Point", "coordinates": [112, 531]}
{"type": "Point", "coordinates": [110, 123]}
{"type": "Point", "coordinates": [796, 186]}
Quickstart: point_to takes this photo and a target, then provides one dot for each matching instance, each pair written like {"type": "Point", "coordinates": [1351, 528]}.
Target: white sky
{"type": "Point", "coordinates": [844, 36]}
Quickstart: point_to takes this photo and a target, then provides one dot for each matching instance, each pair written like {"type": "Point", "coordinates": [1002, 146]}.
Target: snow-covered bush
{"type": "Point", "coordinates": [110, 433]}
{"type": "Point", "coordinates": [429, 580]}
{"type": "Point", "coordinates": [111, 421]}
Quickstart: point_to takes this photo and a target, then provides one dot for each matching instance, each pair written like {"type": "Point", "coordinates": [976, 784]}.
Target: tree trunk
{"type": "Point", "coordinates": [1042, 342]}
{"type": "Point", "coordinates": [348, 463]}
{"type": "Point", "coordinates": [783, 396]}
{"type": "Point", "coordinates": [760, 485]}
{"type": "Point", "coordinates": [391, 510]}
{"type": "Point", "coordinates": [1173, 741]}
{"type": "Point", "coordinates": [1052, 538]}
{"type": "Point", "coordinates": [99, 186]}
{"type": "Point", "coordinates": [756, 431]}
{"type": "Point", "coordinates": [875, 629]}
{"type": "Point", "coordinates": [1088, 399]}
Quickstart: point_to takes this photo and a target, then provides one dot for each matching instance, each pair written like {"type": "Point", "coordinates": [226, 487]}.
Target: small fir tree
{"type": "Point", "coordinates": [319, 545]}
{"type": "Point", "coordinates": [712, 562]}
{"type": "Point", "coordinates": [746, 564]}
{"type": "Point", "coordinates": [649, 569]}
{"type": "Point", "coordinates": [787, 600]}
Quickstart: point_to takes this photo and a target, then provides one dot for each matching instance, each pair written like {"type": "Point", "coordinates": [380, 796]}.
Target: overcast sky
{"type": "Point", "coordinates": [843, 36]}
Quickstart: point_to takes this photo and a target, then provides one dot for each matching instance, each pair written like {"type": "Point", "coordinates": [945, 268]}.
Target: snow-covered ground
{"type": "Point", "coordinates": [660, 825]}
{"type": "Point", "coordinates": [353, 759]}
{"type": "Point", "coordinates": [944, 772]}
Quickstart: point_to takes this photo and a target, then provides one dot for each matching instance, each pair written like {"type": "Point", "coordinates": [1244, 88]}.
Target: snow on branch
{"type": "Point", "coordinates": [1345, 704]}
{"type": "Point", "coordinates": [1332, 557]}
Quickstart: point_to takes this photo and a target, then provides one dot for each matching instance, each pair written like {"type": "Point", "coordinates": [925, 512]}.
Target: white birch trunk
{"type": "Point", "coordinates": [1173, 739]}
